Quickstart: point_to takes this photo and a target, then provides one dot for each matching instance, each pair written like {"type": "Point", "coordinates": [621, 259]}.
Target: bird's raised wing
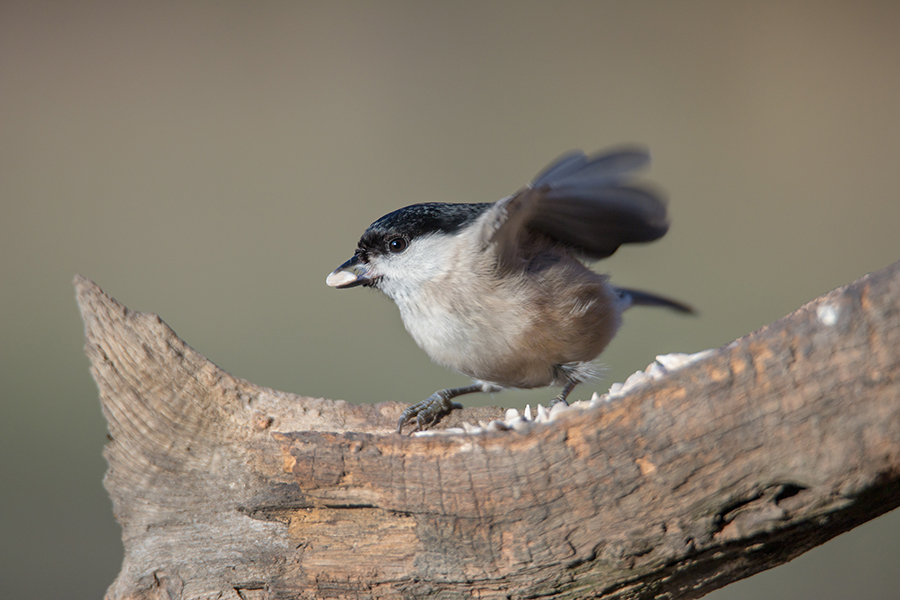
{"type": "Point", "coordinates": [585, 203]}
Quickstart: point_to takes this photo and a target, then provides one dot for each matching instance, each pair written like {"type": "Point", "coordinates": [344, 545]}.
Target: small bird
{"type": "Point", "coordinates": [500, 291]}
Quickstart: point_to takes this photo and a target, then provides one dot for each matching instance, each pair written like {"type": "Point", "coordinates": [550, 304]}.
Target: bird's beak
{"type": "Point", "coordinates": [352, 273]}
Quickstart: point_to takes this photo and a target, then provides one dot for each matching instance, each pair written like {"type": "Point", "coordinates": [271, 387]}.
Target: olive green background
{"type": "Point", "coordinates": [213, 161]}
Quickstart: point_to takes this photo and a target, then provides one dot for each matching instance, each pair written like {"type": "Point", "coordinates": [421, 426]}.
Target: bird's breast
{"type": "Point", "coordinates": [513, 333]}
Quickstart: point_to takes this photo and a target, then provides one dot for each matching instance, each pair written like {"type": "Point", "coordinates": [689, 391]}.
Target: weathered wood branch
{"type": "Point", "coordinates": [734, 464]}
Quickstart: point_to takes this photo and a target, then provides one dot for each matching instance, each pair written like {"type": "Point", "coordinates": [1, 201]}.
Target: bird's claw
{"type": "Point", "coordinates": [427, 413]}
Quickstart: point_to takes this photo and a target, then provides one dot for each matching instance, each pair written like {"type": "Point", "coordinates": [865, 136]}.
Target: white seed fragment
{"type": "Point", "coordinates": [520, 425]}
{"type": "Point", "coordinates": [828, 314]}
{"type": "Point", "coordinates": [497, 425]}
{"type": "Point", "coordinates": [448, 431]}
{"type": "Point", "coordinates": [558, 409]}
{"type": "Point", "coordinates": [469, 428]}
{"type": "Point", "coordinates": [679, 360]}
{"type": "Point", "coordinates": [615, 390]}
{"type": "Point", "coordinates": [674, 361]}
{"type": "Point", "coordinates": [656, 371]}
{"type": "Point", "coordinates": [634, 380]}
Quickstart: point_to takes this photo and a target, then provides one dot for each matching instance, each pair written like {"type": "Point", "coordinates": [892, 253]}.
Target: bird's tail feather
{"type": "Point", "coordinates": [639, 298]}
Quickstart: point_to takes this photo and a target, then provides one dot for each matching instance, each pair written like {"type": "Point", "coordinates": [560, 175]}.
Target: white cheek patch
{"type": "Point", "coordinates": [427, 258]}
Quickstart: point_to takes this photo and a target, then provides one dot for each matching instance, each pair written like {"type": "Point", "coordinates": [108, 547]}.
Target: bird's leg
{"type": "Point", "coordinates": [438, 405]}
{"type": "Point", "coordinates": [564, 394]}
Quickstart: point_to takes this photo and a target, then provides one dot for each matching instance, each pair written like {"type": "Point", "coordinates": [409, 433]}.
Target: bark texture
{"type": "Point", "coordinates": [734, 464]}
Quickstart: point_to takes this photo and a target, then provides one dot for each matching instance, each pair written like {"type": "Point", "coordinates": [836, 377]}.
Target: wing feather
{"type": "Point", "coordinates": [583, 202]}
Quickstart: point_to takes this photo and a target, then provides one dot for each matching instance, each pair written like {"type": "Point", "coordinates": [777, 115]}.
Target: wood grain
{"type": "Point", "coordinates": [734, 464]}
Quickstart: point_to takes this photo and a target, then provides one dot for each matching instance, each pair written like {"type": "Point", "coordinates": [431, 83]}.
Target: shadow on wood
{"type": "Point", "coordinates": [736, 463]}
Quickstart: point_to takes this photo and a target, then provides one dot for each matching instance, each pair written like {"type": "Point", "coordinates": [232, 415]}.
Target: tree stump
{"type": "Point", "coordinates": [707, 474]}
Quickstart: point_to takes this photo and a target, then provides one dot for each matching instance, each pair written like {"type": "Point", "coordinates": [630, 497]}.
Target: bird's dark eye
{"type": "Point", "coordinates": [398, 244]}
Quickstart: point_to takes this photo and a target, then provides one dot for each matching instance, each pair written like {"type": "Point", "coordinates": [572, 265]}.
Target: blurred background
{"type": "Point", "coordinates": [212, 161]}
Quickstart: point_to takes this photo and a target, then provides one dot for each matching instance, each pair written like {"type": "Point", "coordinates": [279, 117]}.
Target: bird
{"type": "Point", "coordinates": [502, 291]}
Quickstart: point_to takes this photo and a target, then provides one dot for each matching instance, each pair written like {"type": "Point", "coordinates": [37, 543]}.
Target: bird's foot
{"type": "Point", "coordinates": [563, 395]}
{"type": "Point", "coordinates": [428, 412]}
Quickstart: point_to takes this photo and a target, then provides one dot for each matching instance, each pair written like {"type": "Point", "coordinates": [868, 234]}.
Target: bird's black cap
{"type": "Point", "coordinates": [417, 220]}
